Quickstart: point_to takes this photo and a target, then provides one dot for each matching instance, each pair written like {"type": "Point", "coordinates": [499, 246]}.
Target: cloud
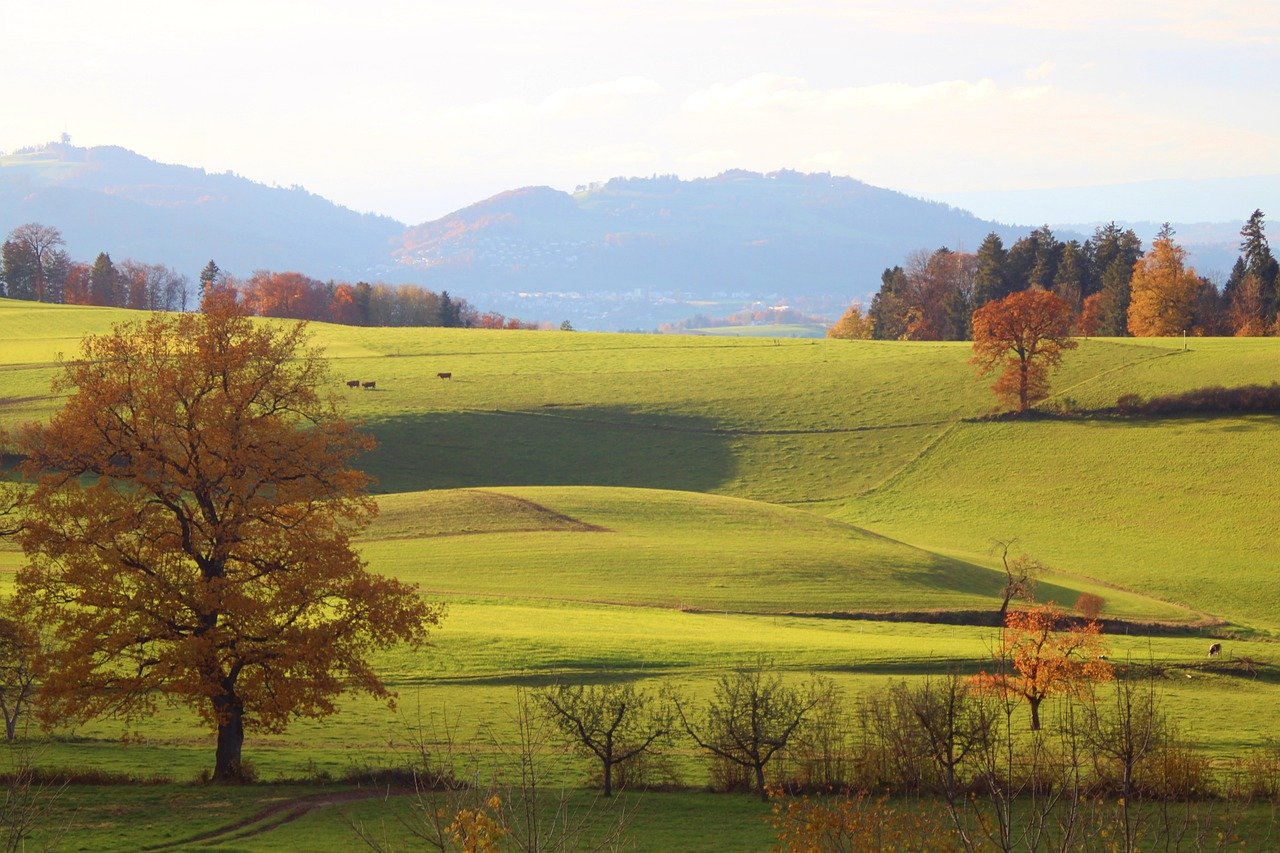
{"type": "Point", "coordinates": [766, 92]}
{"type": "Point", "coordinates": [956, 134]}
{"type": "Point", "coordinates": [1039, 72]}
{"type": "Point", "coordinates": [590, 101]}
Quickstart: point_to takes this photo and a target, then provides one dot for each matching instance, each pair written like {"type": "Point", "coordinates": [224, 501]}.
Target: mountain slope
{"type": "Point", "coordinates": [110, 199]}
{"type": "Point", "coordinates": [782, 233]}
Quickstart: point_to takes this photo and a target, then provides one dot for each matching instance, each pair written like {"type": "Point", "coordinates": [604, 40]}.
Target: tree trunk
{"type": "Point", "coordinates": [230, 715]}
{"type": "Point", "coordinates": [608, 778]}
{"type": "Point", "coordinates": [1022, 386]}
{"type": "Point", "coordinates": [1035, 715]}
{"type": "Point", "coordinates": [764, 794]}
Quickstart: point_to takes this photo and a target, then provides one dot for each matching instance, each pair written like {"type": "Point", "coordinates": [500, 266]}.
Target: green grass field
{"type": "Point", "coordinates": [663, 507]}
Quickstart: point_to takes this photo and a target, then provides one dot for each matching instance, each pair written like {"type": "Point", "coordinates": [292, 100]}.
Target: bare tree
{"type": "Point", "coordinates": [957, 723]}
{"type": "Point", "coordinates": [1020, 574]}
{"type": "Point", "coordinates": [1125, 730]}
{"type": "Point", "coordinates": [25, 802]}
{"type": "Point", "coordinates": [615, 723]}
{"type": "Point", "coordinates": [751, 717]}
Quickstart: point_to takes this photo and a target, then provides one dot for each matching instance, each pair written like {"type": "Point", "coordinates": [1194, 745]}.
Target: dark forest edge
{"type": "Point", "coordinates": [1112, 288]}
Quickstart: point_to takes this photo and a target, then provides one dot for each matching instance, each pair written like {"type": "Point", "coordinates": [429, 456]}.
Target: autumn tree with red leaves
{"type": "Point", "coordinates": [189, 533]}
{"type": "Point", "coordinates": [1042, 656]}
{"type": "Point", "coordinates": [1026, 334]}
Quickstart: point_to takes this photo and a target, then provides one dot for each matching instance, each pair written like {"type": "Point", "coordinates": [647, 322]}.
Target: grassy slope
{"type": "Point", "coordinates": [864, 431]}
{"type": "Point", "coordinates": [671, 549]}
{"type": "Point", "coordinates": [854, 431]}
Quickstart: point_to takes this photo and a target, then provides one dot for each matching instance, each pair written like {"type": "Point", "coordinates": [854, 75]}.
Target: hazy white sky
{"type": "Point", "coordinates": [416, 108]}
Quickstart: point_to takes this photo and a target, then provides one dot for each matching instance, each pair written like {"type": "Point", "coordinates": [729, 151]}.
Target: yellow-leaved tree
{"type": "Point", "coordinates": [853, 325]}
{"type": "Point", "coordinates": [189, 531]}
{"type": "Point", "coordinates": [1162, 291]}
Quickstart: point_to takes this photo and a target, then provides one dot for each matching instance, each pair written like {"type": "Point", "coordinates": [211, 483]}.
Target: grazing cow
{"type": "Point", "coordinates": [1215, 650]}
{"type": "Point", "coordinates": [353, 383]}
{"type": "Point", "coordinates": [445, 375]}
{"type": "Point", "coordinates": [368, 386]}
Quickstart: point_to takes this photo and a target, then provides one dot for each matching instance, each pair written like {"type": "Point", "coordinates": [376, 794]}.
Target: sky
{"type": "Point", "coordinates": [414, 109]}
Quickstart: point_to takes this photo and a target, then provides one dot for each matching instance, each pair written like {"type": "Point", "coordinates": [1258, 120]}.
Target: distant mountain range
{"type": "Point", "coordinates": [627, 253]}
{"type": "Point", "coordinates": [110, 199]}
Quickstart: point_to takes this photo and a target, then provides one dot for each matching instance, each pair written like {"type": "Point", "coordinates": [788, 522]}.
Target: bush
{"type": "Point", "coordinates": [1214, 399]}
{"type": "Point", "coordinates": [1256, 774]}
{"type": "Point", "coordinates": [857, 822]}
{"type": "Point", "coordinates": [1089, 605]}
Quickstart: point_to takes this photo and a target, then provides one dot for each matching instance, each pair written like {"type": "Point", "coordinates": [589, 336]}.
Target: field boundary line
{"type": "Point", "coordinates": [910, 463]}
{"type": "Point", "coordinates": [1111, 370]}
{"type": "Point", "coordinates": [924, 451]}
{"type": "Point", "coordinates": [730, 431]}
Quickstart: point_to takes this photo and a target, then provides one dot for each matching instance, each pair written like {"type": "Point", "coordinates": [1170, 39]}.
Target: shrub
{"type": "Point", "coordinates": [1089, 605]}
{"type": "Point", "coordinates": [857, 822]}
{"type": "Point", "coordinates": [1256, 774]}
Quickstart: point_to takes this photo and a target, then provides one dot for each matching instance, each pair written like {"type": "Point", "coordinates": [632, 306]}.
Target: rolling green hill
{"type": "Point", "coordinates": [874, 433]}
{"type": "Point", "coordinates": [599, 506]}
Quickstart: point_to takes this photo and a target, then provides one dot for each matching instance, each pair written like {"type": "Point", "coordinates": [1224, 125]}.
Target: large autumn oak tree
{"type": "Point", "coordinates": [189, 532]}
{"type": "Point", "coordinates": [1025, 333]}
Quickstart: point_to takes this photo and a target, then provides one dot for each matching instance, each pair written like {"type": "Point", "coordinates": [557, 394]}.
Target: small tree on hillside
{"type": "Point", "coordinates": [1020, 574]}
{"type": "Point", "coordinates": [1026, 334]}
{"type": "Point", "coordinates": [751, 717]}
{"type": "Point", "coordinates": [615, 723]}
{"type": "Point", "coordinates": [1040, 656]}
{"type": "Point", "coordinates": [852, 325]}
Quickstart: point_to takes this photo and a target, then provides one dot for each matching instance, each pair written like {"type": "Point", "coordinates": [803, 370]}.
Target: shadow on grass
{"type": "Point", "coordinates": [602, 446]}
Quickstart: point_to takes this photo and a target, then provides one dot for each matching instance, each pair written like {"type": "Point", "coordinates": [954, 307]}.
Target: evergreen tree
{"type": "Point", "coordinates": [1047, 252]}
{"type": "Point", "coordinates": [1033, 260]}
{"type": "Point", "coordinates": [450, 310]}
{"type": "Point", "coordinates": [102, 281]}
{"type": "Point", "coordinates": [991, 281]}
{"type": "Point", "coordinates": [1067, 281]}
{"type": "Point", "coordinates": [364, 297]}
{"type": "Point", "coordinates": [1238, 272]}
{"type": "Point", "coordinates": [1108, 244]}
{"type": "Point", "coordinates": [209, 277]}
{"type": "Point", "coordinates": [889, 306]}
{"type": "Point", "coordinates": [1113, 311]}
{"type": "Point", "coordinates": [1259, 261]}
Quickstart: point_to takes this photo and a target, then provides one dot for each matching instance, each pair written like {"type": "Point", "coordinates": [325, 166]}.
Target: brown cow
{"type": "Point", "coordinates": [353, 383]}
{"type": "Point", "coordinates": [368, 386]}
{"type": "Point", "coordinates": [1215, 650]}
{"type": "Point", "coordinates": [445, 375]}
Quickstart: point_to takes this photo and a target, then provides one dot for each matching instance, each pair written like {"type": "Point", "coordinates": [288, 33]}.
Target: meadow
{"type": "Point", "coordinates": [660, 508]}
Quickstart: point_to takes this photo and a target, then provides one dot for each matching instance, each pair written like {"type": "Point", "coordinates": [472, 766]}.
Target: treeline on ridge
{"type": "Point", "coordinates": [1112, 287]}
{"type": "Point", "coordinates": [34, 266]}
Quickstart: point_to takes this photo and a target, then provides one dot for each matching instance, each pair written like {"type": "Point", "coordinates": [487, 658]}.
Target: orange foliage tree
{"type": "Point", "coordinates": [189, 532]}
{"type": "Point", "coordinates": [1163, 292]}
{"type": "Point", "coordinates": [1025, 333]}
{"type": "Point", "coordinates": [1040, 659]}
{"type": "Point", "coordinates": [853, 325]}
{"type": "Point", "coordinates": [1090, 318]}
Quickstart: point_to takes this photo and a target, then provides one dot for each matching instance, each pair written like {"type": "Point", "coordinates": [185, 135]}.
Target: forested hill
{"type": "Point", "coordinates": [631, 252]}
{"type": "Point", "coordinates": [110, 199]}
{"type": "Point", "coordinates": [782, 233]}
